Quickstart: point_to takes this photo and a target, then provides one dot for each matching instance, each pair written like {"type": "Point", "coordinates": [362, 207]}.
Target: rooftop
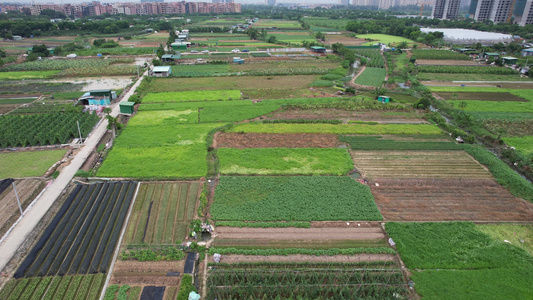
{"type": "Point", "coordinates": [162, 69]}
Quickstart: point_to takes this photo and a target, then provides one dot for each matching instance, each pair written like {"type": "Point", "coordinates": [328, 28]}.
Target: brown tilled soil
{"type": "Point", "coordinates": [443, 62]}
{"type": "Point", "coordinates": [448, 200]}
{"type": "Point", "coordinates": [273, 140]}
{"type": "Point", "coordinates": [231, 259]}
{"type": "Point", "coordinates": [343, 233]}
{"type": "Point", "coordinates": [27, 190]}
{"type": "Point", "coordinates": [482, 96]}
{"type": "Point", "coordinates": [340, 114]}
{"type": "Point", "coordinates": [146, 273]}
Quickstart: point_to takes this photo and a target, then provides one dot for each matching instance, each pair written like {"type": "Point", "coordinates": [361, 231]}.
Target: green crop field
{"type": "Point", "coordinates": [200, 70]}
{"type": "Point", "coordinates": [165, 117]}
{"type": "Point", "coordinates": [78, 67]}
{"type": "Point", "coordinates": [524, 143]}
{"type": "Point", "coordinates": [29, 163]}
{"type": "Point", "coordinates": [372, 77]}
{"type": "Point", "coordinates": [284, 161]}
{"type": "Point", "coordinates": [294, 198]}
{"type": "Point", "coordinates": [192, 96]}
{"type": "Point", "coordinates": [469, 77]}
{"type": "Point", "coordinates": [467, 69]}
{"type": "Point", "coordinates": [373, 142]}
{"type": "Point", "coordinates": [439, 54]}
{"type": "Point", "coordinates": [499, 106]}
{"type": "Point", "coordinates": [460, 260]}
{"type": "Point", "coordinates": [280, 24]}
{"type": "Point", "coordinates": [384, 38]}
{"type": "Point", "coordinates": [338, 129]}
{"type": "Point", "coordinates": [159, 151]}
{"type": "Point", "coordinates": [16, 100]}
{"type": "Point", "coordinates": [27, 75]}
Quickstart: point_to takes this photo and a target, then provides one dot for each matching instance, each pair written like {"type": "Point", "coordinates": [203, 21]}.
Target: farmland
{"type": "Point", "coordinates": [305, 280]}
{"type": "Point", "coordinates": [45, 129]}
{"type": "Point", "coordinates": [524, 143]}
{"type": "Point", "coordinates": [159, 151]}
{"type": "Point", "coordinates": [28, 163]}
{"type": "Point", "coordinates": [78, 67]}
{"type": "Point", "coordinates": [27, 75]}
{"type": "Point", "coordinates": [383, 38]}
{"type": "Point", "coordinates": [293, 198]}
{"type": "Point", "coordinates": [338, 129]}
{"type": "Point", "coordinates": [407, 142]}
{"type": "Point", "coordinates": [419, 164]}
{"type": "Point", "coordinates": [466, 70]}
{"type": "Point", "coordinates": [463, 254]}
{"type": "Point", "coordinates": [371, 77]}
{"type": "Point", "coordinates": [278, 161]}
{"type": "Point", "coordinates": [27, 190]}
{"type": "Point", "coordinates": [82, 236]}
{"type": "Point", "coordinates": [81, 287]}
{"type": "Point", "coordinates": [192, 96]}
{"type": "Point", "coordinates": [438, 54]}
{"type": "Point", "coordinates": [272, 140]}
{"type": "Point", "coordinates": [162, 212]}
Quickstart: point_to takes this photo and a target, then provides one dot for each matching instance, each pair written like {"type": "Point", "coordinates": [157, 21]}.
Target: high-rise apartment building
{"type": "Point", "coordinates": [527, 15]}
{"type": "Point", "coordinates": [345, 2]}
{"type": "Point", "coordinates": [271, 2]}
{"type": "Point", "coordinates": [446, 9]}
{"type": "Point", "coordinates": [497, 11]}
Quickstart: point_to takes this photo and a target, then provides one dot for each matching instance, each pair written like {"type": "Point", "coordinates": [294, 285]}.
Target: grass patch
{"type": "Point", "coordinates": [27, 75]}
{"type": "Point", "coordinates": [304, 251]}
{"type": "Point", "coordinates": [264, 224]}
{"type": "Point", "coordinates": [295, 198]}
{"type": "Point", "coordinates": [455, 245]}
{"type": "Point", "coordinates": [284, 161]}
{"type": "Point", "coordinates": [16, 100]}
{"type": "Point", "coordinates": [372, 77]}
{"type": "Point", "coordinates": [165, 117]}
{"type": "Point", "coordinates": [28, 164]}
{"type": "Point", "coordinates": [68, 95]}
{"type": "Point", "coordinates": [384, 38]}
{"type": "Point", "coordinates": [338, 129]}
{"type": "Point", "coordinates": [524, 143]}
{"type": "Point", "coordinates": [499, 106]}
{"type": "Point", "coordinates": [519, 235]}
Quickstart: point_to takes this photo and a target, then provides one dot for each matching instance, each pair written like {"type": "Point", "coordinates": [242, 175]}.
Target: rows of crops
{"type": "Point", "coordinates": [297, 198]}
{"type": "Point", "coordinates": [389, 143]}
{"type": "Point", "coordinates": [82, 236]}
{"type": "Point", "coordinates": [438, 54]}
{"type": "Point", "coordinates": [373, 57]}
{"type": "Point", "coordinates": [80, 287]}
{"type": "Point", "coordinates": [377, 280]}
{"type": "Point", "coordinates": [64, 64]}
{"type": "Point", "coordinates": [192, 96]}
{"type": "Point", "coordinates": [44, 129]}
{"type": "Point", "coordinates": [466, 70]}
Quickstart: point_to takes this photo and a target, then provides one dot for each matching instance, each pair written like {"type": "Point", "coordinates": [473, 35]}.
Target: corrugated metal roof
{"type": "Point", "coordinates": [318, 48]}
{"type": "Point", "coordinates": [162, 69]}
{"type": "Point", "coordinates": [127, 103]}
{"type": "Point", "coordinates": [527, 50]}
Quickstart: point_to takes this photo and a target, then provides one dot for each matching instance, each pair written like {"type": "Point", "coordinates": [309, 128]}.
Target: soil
{"type": "Point", "coordinates": [346, 40]}
{"type": "Point", "coordinates": [340, 114]}
{"type": "Point", "coordinates": [27, 190]}
{"type": "Point", "coordinates": [505, 85]}
{"type": "Point", "coordinates": [231, 258]}
{"type": "Point", "coordinates": [147, 273]}
{"type": "Point", "coordinates": [482, 96]}
{"type": "Point", "coordinates": [266, 140]}
{"type": "Point", "coordinates": [438, 62]}
{"type": "Point", "coordinates": [448, 200]}
{"type": "Point", "coordinates": [343, 233]}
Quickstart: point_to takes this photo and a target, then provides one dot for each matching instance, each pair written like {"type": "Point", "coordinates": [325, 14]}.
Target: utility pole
{"type": "Point", "coordinates": [79, 131]}
{"type": "Point", "coordinates": [18, 200]}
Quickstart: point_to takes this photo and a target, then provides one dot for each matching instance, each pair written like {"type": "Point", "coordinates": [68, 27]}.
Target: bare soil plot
{"type": "Point", "coordinates": [27, 190]}
{"type": "Point", "coordinates": [439, 62]}
{"type": "Point", "coordinates": [346, 40]}
{"type": "Point", "coordinates": [454, 164]}
{"type": "Point", "coordinates": [339, 114]}
{"type": "Point", "coordinates": [274, 140]}
{"type": "Point", "coordinates": [448, 200]}
{"type": "Point", "coordinates": [315, 237]}
{"type": "Point", "coordinates": [482, 96]}
{"type": "Point", "coordinates": [162, 212]}
{"type": "Point", "coordinates": [147, 272]}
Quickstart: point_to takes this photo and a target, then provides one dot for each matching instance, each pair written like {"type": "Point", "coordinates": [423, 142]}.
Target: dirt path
{"type": "Point", "coordinates": [231, 259]}
{"type": "Point", "coordinates": [13, 241]}
{"type": "Point", "coordinates": [361, 70]}
{"type": "Point", "coordinates": [351, 233]}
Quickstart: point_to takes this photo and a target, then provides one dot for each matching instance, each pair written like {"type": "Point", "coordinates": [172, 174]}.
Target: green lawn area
{"type": "Point", "coordinates": [524, 143]}
{"type": "Point", "coordinates": [384, 38]}
{"type": "Point", "coordinates": [293, 198]}
{"type": "Point", "coordinates": [519, 235]}
{"type": "Point", "coordinates": [28, 164]}
{"type": "Point", "coordinates": [372, 77]}
{"type": "Point", "coordinates": [283, 161]}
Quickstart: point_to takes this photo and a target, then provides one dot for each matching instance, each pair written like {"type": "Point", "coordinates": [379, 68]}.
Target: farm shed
{"type": "Point", "coordinates": [509, 60]}
{"type": "Point", "coordinates": [97, 97]}
{"type": "Point", "coordinates": [527, 52]}
{"type": "Point", "coordinates": [488, 55]}
{"type": "Point", "coordinates": [126, 107]}
{"type": "Point", "coordinates": [384, 99]}
{"type": "Point", "coordinates": [170, 57]}
{"type": "Point", "coordinates": [317, 49]}
{"type": "Point", "coordinates": [161, 71]}
{"type": "Point", "coordinates": [178, 46]}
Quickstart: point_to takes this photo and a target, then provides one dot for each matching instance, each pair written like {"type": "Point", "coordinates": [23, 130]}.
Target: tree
{"type": "Point", "coordinates": [42, 49]}
{"type": "Point", "coordinates": [272, 39]}
{"type": "Point", "coordinates": [160, 51]}
{"type": "Point", "coordinates": [2, 52]}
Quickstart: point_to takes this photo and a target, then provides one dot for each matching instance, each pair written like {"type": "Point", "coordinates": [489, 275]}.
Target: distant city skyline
{"type": "Point", "coordinates": [138, 1]}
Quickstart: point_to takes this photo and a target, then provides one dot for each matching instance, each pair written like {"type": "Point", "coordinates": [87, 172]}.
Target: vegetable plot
{"type": "Point", "coordinates": [295, 198]}
{"type": "Point", "coordinates": [192, 96]}
{"type": "Point", "coordinates": [82, 236]}
{"type": "Point", "coordinates": [438, 54]}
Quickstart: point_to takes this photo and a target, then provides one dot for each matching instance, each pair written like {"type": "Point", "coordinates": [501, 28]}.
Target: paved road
{"type": "Point", "coordinates": [33, 216]}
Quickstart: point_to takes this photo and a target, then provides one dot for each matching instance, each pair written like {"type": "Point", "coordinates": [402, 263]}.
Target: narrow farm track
{"type": "Point", "coordinates": [357, 233]}
{"type": "Point", "coordinates": [15, 239]}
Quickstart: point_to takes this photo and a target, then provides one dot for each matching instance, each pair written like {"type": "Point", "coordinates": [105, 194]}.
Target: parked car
{"type": "Point", "coordinates": [235, 50]}
{"type": "Point", "coordinates": [245, 50]}
{"type": "Point", "coordinates": [194, 51]}
{"type": "Point", "coordinates": [205, 51]}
